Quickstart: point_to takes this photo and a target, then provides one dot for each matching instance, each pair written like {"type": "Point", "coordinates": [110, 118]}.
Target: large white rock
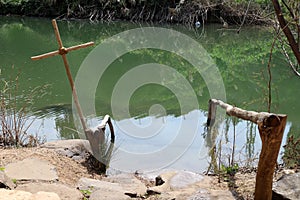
{"type": "Point", "coordinates": [114, 187]}
{"type": "Point", "coordinates": [186, 185]}
{"type": "Point", "coordinates": [63, 191]}
{"type": "Point", "coordinates": [287, 187]}
{"type": "Point", "coordinates": [23, 195]}
{"type": "Point", "coordinates": [31, 169]}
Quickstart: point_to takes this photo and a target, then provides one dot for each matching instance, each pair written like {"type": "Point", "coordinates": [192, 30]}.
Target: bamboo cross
{"type": "Point", "coordinates": [96, 135]}
{"type": "Point", "coordinates": [63, 51]}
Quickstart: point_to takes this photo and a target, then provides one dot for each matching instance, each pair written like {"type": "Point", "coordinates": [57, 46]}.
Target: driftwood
{"type": "Point", "coordinates": [271, 128]}
{"type": "Point", "coordinates": [95, 136]}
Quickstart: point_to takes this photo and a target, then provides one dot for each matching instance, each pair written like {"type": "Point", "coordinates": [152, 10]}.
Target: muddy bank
{"type": "Point", "coordinates": [183, 12]}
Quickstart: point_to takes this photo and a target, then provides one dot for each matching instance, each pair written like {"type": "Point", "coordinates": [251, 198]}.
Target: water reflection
{"type": "Point", "coordinates": [240, 58]}
{"type": "Point", "coordinates": [150, 150]}
{"type": "Point", "coordinates": [58, 121]}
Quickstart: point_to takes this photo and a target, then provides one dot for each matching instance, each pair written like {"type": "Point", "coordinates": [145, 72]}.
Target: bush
{"type": "Point", "coordinates": [16, 114]}
{"type": "Point", "coordinates": [291, 157]}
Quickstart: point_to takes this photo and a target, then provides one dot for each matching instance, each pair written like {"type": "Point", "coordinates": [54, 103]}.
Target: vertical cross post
{"type": "Point", "coordinates": [63, 51]}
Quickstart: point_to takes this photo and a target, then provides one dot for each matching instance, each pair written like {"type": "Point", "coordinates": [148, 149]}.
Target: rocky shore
{"type": "Point", "coordinates": [63, 170]}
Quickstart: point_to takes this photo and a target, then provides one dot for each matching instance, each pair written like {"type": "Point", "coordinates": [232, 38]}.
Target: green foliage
{"type": "Point", "coordinates": [2, 168]}
{"type": "Point", "coordinates": [291, 157]}
{"type": "Point", "coordinates": [86, 193]}
{"type": "Point", "coordinates": [231, 170]}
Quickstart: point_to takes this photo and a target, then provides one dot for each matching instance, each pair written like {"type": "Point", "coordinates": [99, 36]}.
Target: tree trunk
{"type": "Point", "coordinates": [271, 128]}
{"type": "Point", "coordinates": [285, 28]}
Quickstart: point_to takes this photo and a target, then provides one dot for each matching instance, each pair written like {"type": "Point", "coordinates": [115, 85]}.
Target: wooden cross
{"type": "Point", "coordinates": [63, 51]}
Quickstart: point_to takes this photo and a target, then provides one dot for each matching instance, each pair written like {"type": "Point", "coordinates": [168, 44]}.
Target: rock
{"type": "Point", "coordinates": [287, 187]}
{"type": "Point", "coordinates": [129, 183]}
{"type": "Point", "coordinates": [183, 179]}
{"type": "Point", "coordinates": [93, 184]}
{"type": "Point", "coordinates": [174, 180]}
{"type": "Point", "coordinates": [23, 195]}
{"type": "Point", "coordinates": [186, 185]}
{"type": "Point", "coordinates": [6, 182]}
{"type": "Point", "coordinates": [31, 169]}
{"type": "Point", "coordinates": [159, 181]}
{"type": "Point", "coordinates": [103, 189]}
{"type": "Point", "coordinates": [108, 195]}
{"type": "Point", "coordinates": [211, 194]}
{"type": "Point", "coordinates": [122, 186]}
{"type": "Point", "coordinates": [63, 191]}
{"type": "Point", "coordinates": [77, 149]}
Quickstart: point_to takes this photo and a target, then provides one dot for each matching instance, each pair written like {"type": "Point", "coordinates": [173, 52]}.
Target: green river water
{"type": "Point", "coordinates": [147, 137]}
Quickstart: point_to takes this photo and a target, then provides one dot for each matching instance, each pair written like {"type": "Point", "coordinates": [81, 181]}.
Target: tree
{"type": "Point", "coordinates": [288, 15]}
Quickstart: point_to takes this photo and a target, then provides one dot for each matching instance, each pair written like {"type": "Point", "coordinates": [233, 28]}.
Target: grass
{"type": "Point", "coordinates": [16, 116]}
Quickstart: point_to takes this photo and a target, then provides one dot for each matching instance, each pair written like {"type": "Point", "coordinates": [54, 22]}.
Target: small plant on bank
{"type": "Point", "coordinates": [16, 114]}
{"type": "Point", "coordinates": [86, 193]}
{"type": "Point", "coordinates": [14, 180]}
{"type": "Point", "coordinates": [291, 157]}
{"type": "Point", "coordinates": [230, 170]}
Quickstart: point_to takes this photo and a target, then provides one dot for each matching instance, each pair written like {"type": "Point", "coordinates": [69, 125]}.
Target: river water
{"type": "Point", "coordinates": [157, 98]}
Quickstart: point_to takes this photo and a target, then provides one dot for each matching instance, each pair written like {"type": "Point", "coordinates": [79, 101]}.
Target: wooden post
{"type": "Point", "coordinates": [271, 128]}
{"type": "Point", "coordinates": [90, 135]}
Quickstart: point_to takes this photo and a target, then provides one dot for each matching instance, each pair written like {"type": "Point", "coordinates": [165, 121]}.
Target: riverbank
{"type": "Point", "coordinates": [183, 12]}
{"type": "Point", "coordinates": [47, 170]}
{"type": "Point", "coordinates": [57, 170]}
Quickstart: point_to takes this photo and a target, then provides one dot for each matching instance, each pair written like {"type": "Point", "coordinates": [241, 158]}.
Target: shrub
{"type": "Point", "coordinates": [16, 114]}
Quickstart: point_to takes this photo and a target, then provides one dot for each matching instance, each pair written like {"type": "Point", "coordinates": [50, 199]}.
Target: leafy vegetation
{"type": "Point", "coordinates": [86, 193]}
{"type": "Point", "coordinates": [291, 157]}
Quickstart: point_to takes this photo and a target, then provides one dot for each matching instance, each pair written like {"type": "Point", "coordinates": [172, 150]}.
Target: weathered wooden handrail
{"type": "Point", "coordinates": [271, 127]}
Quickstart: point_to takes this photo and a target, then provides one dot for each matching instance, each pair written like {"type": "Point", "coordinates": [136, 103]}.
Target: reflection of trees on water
{"type": "Point", "coordinates": [221, 144]}
{"type": "Point", "coordinates": [250, 135]}
{"type": "Point", "coordinates": [63, 117]}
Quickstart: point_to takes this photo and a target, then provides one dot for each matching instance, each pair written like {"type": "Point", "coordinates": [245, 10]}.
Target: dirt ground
{"type": "Point", "coordinates": [69, 171]}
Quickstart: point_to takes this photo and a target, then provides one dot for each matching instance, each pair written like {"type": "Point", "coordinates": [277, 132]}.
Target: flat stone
{"type": "Point", "coordinates": [129, 183]}
{"type": "Point", "coordinates": [23, 195]}
{"type": "Point", "coordinates": [105, 190]}
{"type": "Point", "coordinates": [183, 179]}
{"type": "Point", "coordinates": [6, 182]}
{"type": "Point", "coordinates": [120, 186]}
{"type": "Point", "coordinates": [108, 195]}
{"type": "Point", "coordinates": [211, 194]}
{"type": "Point", "coordinates": [93, 184]}
{"type": "Point", "coordinates": [63, 191]}
{"type": "Point", "coordinates": [287, 187]}
{"type": "Point", "coordinates": [31, 169]}
{"type": "Point", "coordinates": [185, 185]}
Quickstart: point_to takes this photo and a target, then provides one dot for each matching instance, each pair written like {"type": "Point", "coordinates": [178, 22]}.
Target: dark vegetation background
{"type": "Point", "coordinates": [173, 11]}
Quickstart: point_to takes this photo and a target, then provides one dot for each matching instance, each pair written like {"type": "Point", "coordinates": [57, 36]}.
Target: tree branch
{"type": "Point", "coordinates": [287, 31]}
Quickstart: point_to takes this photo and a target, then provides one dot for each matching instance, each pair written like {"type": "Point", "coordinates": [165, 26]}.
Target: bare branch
{"type": "Point", "coordinates": [287, 31]}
